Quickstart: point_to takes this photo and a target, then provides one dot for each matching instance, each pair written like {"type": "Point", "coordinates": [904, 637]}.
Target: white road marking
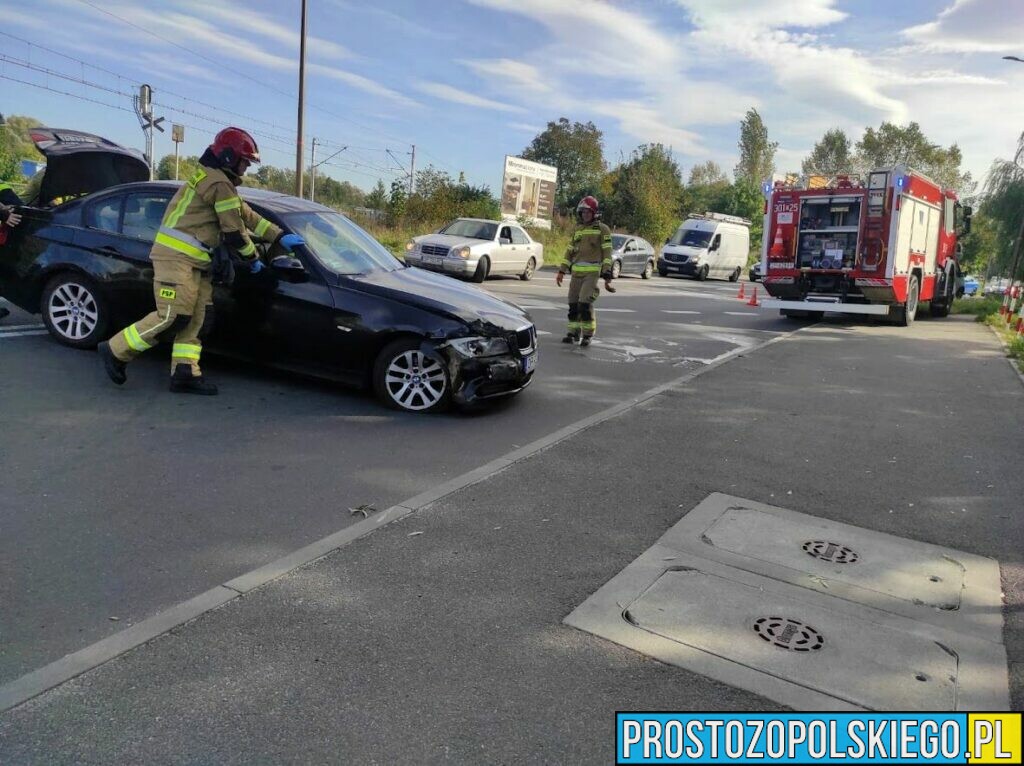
{"type": "Point", "coordinates": [742, 313]}
{"type": "Point", "coordinates": [678, 311]}
{"type": "Point", "coordinates": [23, 333]}
{"type": "Point", "coordinates": [543, 332]}
{"type": "Point", "coordinates": [36, 326]}
{"type": "Point", "coordinates": [616, 311]}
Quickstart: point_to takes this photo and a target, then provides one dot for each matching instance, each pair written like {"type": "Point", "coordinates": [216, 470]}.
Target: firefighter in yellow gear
{"type": "Point", "coordinates": [205, 213]}
{"type": "Point", "coordinates": [588, 259]}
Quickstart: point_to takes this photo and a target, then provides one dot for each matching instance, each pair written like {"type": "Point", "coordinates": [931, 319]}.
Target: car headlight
{"type": "Point", "coordinates": [474, 347]}
{"type": "Point", "coordinates": [459, 252]}
{"type": "Point", "coordinates": [410, 246]}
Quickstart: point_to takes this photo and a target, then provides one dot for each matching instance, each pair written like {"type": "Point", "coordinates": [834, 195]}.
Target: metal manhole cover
{"type": "Point", "coordinates": [789, 634]}
{"type": "Point", "coordinates": [832, 552]}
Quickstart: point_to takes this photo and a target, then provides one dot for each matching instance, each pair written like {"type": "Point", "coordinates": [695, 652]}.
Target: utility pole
{"type": "Point", "coordinates": [143, 103]}
{"type": "Point", "coordinates": [314, 165]}
{"type": "Point", "coordinates": [412, 172]}
{"type": "Point", "coordinates": [302, 99]}
{"type": "Point", "coordinates": [312, 172]}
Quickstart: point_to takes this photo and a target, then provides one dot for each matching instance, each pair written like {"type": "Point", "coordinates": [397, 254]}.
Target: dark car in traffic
{"type": "Point", "coordinates": [340, 307]}
{"type": "Point", "coordinates": [632, 255]}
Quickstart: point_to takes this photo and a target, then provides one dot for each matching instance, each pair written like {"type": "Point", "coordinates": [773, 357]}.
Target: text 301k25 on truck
{"type": "Point", "coordinates": [880, 249]}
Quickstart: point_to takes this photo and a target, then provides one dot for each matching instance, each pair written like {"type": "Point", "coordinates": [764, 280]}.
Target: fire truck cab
{"type": "Point", "coordinates": [837, 245]}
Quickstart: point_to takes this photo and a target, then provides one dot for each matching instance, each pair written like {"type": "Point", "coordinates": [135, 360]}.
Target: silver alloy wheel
{"type": "Point", "coordinates": [415, 381]}
{"type": "Point", "coordinates": [530, 266]}
{"type": "Point", "coordinates": [73, 311]}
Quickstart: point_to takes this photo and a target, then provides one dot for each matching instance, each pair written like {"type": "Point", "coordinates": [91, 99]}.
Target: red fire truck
{"type": "Point", "coordinates": [880, 249]}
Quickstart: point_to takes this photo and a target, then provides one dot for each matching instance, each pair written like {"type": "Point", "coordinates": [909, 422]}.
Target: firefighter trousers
{"type": "Point", "coordinates": [583, 292]}
{"type": "Point", "coordinates": [184, 313]}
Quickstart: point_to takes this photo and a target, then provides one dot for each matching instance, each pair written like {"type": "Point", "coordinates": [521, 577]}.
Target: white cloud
{"type": "Point", "coordinates": [361, 83]}
{"type": "Point", "coordinates": [248, 20]}
{"type": "Point", "coordinates": [456, 96]}
{"type": "Point", "coordinates": [516, 73]}
{"type": "Point", "coordinates": [525, 126]}
{"type": "Point", "coordinates": [973, 26]}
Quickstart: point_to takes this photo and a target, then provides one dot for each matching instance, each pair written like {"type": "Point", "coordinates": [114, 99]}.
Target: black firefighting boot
{"type": "Point", "coordinates": [116, 369]}
{"type": "Point", "coordinates": [184, 382]}
{"type": "Point", "coordinates": [584, 341]}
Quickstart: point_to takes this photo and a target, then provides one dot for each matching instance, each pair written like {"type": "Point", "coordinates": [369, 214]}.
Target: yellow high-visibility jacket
{"type": "Point", "coordinates": [205, 212]}
{"type": "Point", "coordinates": [590, 250]}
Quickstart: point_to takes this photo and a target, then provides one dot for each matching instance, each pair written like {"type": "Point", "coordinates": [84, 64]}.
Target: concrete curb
{"type": "Point", "coordinates": [1006, 348]}
{"type": "Point", "coordinates": [23, 689]}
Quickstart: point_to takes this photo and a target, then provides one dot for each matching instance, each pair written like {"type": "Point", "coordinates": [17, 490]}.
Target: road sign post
{"type": "Point", "coordinates": [177, 136]}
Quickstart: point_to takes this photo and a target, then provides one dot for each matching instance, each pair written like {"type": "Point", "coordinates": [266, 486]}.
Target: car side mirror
{"type": "Point", "coordinates": [289, 268]}
{"type": "Point", "coordinates": [505, 241]}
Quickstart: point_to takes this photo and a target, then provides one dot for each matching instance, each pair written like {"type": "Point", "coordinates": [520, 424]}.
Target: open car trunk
{"type": "Point", "coordinates": [80, 163]}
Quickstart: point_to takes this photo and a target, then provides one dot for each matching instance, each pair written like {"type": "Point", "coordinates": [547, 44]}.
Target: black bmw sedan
{"type": "Point", "coordinates": [342, 307]}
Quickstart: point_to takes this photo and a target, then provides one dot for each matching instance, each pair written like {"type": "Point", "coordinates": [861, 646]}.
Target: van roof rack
{"type": "Point", "coordinates": [709, 216]}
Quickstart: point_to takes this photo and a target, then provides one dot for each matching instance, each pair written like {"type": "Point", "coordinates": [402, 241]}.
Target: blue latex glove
{"type": "Point", "coordinates": [291, 241]}
{"type": "Point", "coordinates": [257, 266]}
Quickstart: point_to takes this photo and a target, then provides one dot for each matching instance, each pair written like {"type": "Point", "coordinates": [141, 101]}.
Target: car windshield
{"type": "Point", "coordinates": [618, 241]}
{"type": "Point", "coordinates": [471, 229]}
{"type": "Point", "coordinates": [340, 245]}
{"type": "Point", "coordinates": [691, 238]}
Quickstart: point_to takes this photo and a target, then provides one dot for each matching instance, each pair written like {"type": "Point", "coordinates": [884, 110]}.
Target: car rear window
{"type": "Point", "coordinates": [105, 215]}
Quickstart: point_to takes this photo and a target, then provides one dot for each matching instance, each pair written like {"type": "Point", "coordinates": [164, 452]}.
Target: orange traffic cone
{"type": "Point", "coordinates": [741, 295]}
{"type": "Point", "coordinates": [778, 248]}
{"type": "Point", "coordinates": [753, 298]}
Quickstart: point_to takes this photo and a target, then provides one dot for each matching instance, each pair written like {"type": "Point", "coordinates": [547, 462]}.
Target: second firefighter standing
{"type": "Point", "coordinates": [589, 260]}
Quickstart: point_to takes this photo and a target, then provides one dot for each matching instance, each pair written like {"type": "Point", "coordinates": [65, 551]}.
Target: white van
{"type": "Point", "coordinates": [709, 245]}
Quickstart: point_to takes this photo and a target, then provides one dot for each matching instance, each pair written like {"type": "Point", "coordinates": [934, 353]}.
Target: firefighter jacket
{"type": "Point", "coordinates": [590, 251]}
{"type": "Point", "coordinates": [205, 212]}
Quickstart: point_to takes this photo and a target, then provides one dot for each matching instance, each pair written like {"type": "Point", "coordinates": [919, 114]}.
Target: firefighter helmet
{"type": "Point", "coordinates": [234, 144]}
{"type": "Point", "coordinates": [587, 203]}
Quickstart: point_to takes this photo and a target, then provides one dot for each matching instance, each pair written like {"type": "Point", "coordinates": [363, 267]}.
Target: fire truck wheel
{"type": "Point", "coordinates": [905, 314]}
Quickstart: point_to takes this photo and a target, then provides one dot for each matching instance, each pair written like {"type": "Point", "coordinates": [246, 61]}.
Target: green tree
{"type": "Point", "coordinates": [378, 198]}
{"type": "Point", "coordinates": [984, 248]}
{"type": "Point", "coordinates": [894, 145]}
{"type": "Point", "coordinates": [576, 149]}
{"type": "Point", "coordinates": [757, 153]}
{"type": "Point", "coordinates": [831, 156]}
{"type": "Point", "coordinates": [186, 167]}
{"type": "Point", "coordinates": [647, 193]}
{"type": "Point", "coordinates": [15, 146]}
{"type": "Point", "coordinates": [744, 199]}
{"type": "Point", "coordinates": [708, 173]}
{"type": "Point", "coordinates": [1004, 201]}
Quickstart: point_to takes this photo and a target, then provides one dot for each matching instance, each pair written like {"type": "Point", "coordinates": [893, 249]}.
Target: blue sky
{"type": "Point", "coordinates": [469, 81]}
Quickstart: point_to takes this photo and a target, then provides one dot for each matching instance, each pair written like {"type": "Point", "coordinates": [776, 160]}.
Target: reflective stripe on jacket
{"type": "Point", "coordinates": [205, 212]}
{"type": "Point", "coordinates": [590, 250]}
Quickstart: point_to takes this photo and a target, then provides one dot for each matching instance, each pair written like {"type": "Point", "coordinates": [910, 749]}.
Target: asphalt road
{"type": "Point", "coordinates": [117, 503]}
{"type": "Point", "coordinates": [440, 639]}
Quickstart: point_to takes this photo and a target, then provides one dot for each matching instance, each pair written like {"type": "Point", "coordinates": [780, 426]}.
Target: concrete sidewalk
{"type": "Point", "coordinates": [440, 637]}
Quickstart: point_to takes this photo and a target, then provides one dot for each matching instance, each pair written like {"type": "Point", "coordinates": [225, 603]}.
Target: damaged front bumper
{"type": "Point", "coordinates": [477, 379]}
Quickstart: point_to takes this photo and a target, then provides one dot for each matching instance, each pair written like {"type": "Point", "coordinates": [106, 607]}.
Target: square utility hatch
{"type": "Point", "coordinates": [840, 646]}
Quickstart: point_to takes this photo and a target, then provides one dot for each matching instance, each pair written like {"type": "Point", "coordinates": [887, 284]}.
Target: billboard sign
{"type": "Point", "coordinates": [528, 191]}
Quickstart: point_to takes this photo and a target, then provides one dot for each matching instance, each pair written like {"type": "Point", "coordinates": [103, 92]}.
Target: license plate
{"type": "Point", "coordinates": [671, 268]}
{"type": "Point", "coordinates": [530, 364]}
{"type": "Point", "coordinates": [433, 260]}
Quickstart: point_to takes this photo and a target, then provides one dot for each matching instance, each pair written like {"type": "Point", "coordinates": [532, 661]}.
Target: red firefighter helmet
{"type": "Point", "coordinates": [234, 144]}
{"type": "Point", "coordinates": [587, 203]}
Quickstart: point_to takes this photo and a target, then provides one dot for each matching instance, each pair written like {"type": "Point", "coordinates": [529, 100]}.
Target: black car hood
{"type": "Point", "coordinates": [444, 295]}
{"type": "Point", "coordinates": [80, 163]}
